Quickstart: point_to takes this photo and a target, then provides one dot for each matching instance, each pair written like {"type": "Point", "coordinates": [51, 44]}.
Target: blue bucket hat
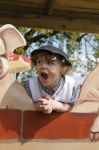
{"type": "Point", "coordinates": [53, 46]}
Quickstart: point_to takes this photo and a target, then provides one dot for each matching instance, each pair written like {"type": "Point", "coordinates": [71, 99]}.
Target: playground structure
{"type": "Point", "coordinates": [63, 15]}
{"type": "Point", "coordinates": [38, 140]}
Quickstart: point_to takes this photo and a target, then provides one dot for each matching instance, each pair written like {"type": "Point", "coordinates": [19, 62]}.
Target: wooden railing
{"type": "Point", "coordinates": [16, 124]}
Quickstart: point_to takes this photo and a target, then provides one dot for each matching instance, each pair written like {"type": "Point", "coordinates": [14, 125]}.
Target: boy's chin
{"type": "Point", "coordinates": [46, 84]}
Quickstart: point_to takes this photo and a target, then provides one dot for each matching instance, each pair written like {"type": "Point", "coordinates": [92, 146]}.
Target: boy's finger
{"type": "Point", "coordinates": [43, 101]}
{"type": "Point", "coordinates": [47, 97]}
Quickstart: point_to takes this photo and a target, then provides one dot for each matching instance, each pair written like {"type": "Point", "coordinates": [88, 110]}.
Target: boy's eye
{"type": "Point", "coordinates": [38, 61]}
{"type": "Point", "coordinates": [50, 62]}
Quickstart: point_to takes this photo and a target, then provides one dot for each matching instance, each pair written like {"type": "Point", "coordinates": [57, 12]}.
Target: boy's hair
{"type": "Point", "coordinates": [49, 56]}
{"type": "Point", "coordinates": [52, 50]}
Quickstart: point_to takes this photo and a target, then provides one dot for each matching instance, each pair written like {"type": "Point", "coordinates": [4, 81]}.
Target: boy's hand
{"type": "Point", "coordinates": [46, 104]}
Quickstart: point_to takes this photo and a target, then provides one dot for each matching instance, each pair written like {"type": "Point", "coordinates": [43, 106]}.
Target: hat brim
{"type": "Point", "coordinates": [52, 50]}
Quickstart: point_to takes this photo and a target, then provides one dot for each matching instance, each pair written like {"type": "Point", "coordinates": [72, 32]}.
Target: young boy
{"type": "Point", "coordinates": [51, 89]}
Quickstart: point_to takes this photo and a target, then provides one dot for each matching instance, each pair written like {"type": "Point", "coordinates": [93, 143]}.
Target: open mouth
{"type": "Point", "coordinates": [44, 75]}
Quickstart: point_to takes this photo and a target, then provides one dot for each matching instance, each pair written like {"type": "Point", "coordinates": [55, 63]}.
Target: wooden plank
{"type": "Point", "coordinates": [77, 25]}
{"type": "Point", "coordinates": [93, 4]}
{"type": "Point", "coordinates": [10, 124]}
{"type": "Point", "coordinates": [67, 15]}
{"type": "Point", "coordinates": [51, 7]}
{"type": "Point", "coordinates": [25, 3]}
{"type": "Point", "coordinates": [37, 125]}
{"type": "Point", "coordinates": [50, 145]}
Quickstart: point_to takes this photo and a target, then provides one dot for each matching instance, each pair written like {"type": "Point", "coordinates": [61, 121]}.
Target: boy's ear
{"type": "Point", "coordinates": [65, 70]}
{"type": "Point", "coordinates": [11, 38]}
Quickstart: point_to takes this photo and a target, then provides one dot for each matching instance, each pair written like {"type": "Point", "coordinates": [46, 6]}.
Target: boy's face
{"type": "Point", "coordinates": [48, 68]}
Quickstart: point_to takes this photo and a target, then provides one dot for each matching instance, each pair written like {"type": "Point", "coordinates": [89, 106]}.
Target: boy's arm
{"type": "Point", "coordinates": [47, 105]}
{"type": "Point", "coordinates": [60, 106]}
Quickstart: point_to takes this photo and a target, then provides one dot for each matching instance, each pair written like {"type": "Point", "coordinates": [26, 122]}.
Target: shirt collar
{"type": "Point", "coordinates": [54, 89]}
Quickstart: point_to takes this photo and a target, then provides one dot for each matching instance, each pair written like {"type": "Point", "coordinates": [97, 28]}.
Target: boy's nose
{"type": "Point", "coordinates": [43, 64]}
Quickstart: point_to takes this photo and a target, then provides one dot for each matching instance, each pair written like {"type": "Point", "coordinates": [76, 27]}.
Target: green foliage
{"type": "Point", "coordinates": [78, 46]}
{"type": "Point", "coordinates": [96, 53]}
{"type": "Point", "coordinates": [25, 75]}
{"type": "Point", "coordinates": [19, 51]}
